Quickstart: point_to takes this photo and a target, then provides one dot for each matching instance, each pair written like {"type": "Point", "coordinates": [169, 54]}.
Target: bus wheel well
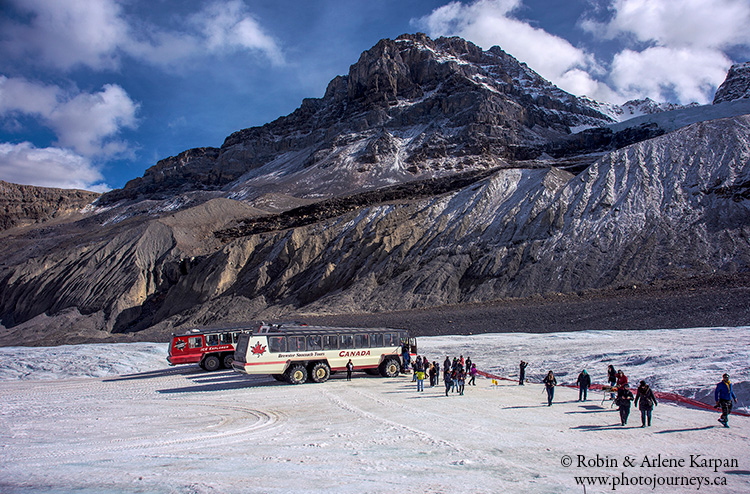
{"type": "Point", "coordinates": [211, 362]}
{"type": "Point", "coordinates": [319, 371]}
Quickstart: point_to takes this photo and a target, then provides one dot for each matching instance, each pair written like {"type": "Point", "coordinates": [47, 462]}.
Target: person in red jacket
{"type": "Point", "coordinates": [622, 379]}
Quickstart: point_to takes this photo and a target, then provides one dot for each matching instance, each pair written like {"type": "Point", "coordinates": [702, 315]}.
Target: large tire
{"type": "Point", "coordinates": [320, 372]}
{"type": "Point", "coordinates": [211, 363]}
{"type": "Point", "coordinates": [227, 360]}
{"type": "Point", "coordinates": [296, 374]}
{"type": "Point", "coordinates": [390, 367]}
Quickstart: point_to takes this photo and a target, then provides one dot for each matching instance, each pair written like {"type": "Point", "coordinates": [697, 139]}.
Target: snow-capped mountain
{"type": "Point", "coordinates": [410, 108]}
{"type": "Point", "coordinates": [432, 173]}
{"type": "Point", "coordinates": [736, 85]}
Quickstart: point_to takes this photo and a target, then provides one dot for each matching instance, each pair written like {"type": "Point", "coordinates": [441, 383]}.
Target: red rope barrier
{"type": "Point", "coordinates": [660, 395]}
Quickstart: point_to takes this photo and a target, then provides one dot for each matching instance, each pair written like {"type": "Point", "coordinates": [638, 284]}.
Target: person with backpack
{"type": "Point", "coordinates": [724, 394]}
{"type": "Point", "coordinates": [584, 381]}
{"type": "Point", "coordinates": [624, 397]}
{"type": "Point", "coordinates": [549, 383]}
{"type": "Point", "coordinates": [447, 379]}
{"type": "Point", "coordinates": [419, 373]}
{"type": "Point", "coordinates": [460, 380]}
{"type": "Point", "coordinates": [647, 402]}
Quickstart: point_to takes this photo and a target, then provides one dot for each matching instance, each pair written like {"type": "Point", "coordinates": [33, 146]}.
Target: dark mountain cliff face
{"type": "Point", "coordinates": [433, 173]}
{"type": "Point", "coordinates": [736, 85]}
{"type": "Point", "coordinates": [410, 108]}
{"type": "Point", "coordinates": [26, 204]}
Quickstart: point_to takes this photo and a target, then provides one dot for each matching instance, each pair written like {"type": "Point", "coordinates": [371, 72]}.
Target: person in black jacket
{"type": "Point", "coordinates": [550, 382]}
{"type": "Point", "coordinates": [624, 397]}
{"type": "Point", "coordinates": [349, 369]}
{"type": "Point", "coordinates": [647, 402]}
{"type": "Point", "coordinates": [522, 373]}
{"type": "Point", "coordinates": [584, 381]}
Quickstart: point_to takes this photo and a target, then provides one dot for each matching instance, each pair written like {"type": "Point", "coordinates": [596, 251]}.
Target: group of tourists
{"type": "Point", "coordinates": [644, 397]}
{"type": "Point", "coordinates": [456, 372]}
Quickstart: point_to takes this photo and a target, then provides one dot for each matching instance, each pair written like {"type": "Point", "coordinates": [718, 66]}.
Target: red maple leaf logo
{"type": "Point", "coordinates": [258, 349]}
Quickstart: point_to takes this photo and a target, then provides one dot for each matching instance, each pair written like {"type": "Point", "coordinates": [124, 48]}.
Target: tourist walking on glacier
{"type": "Point", "coordinates": [645, 401]}
{"type": "Point", "coordinates": [584, 381]}
{"type": "Point", "coordinates": [611, 379]}
{"type": "Point", "coordinates": [406, 356]}
{"type": "Point", "coordinates": [349, 369]}
{"type": "Point", "coordinates": [437, 373]}
{"type": "Point", "coordinates": [419, 373]}
{"type": "Point", "coordinates": [473, 373]}
{"type": "Point", "coordinates": [460, 380]}
{"type": "Point", "coordinates": [549, 383]}
{"type": "Point", "coordinates": [611, 375]}
{"type": "Point", "coordinates": [448, 380]}
{"type": "Point", "coordinates": [624, 397]}
{"type": "Point", "coordinates": [522, 373]}
{"type": "Point", "coordinates": [622, 379]}
{"type": "Point", "coordinates": [724, 394]}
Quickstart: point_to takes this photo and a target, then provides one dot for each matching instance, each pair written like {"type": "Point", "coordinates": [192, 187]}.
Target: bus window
{"type": "Point", "coordinates": [346, 341]}
{"type": "Point", "coordinates": [314, 342]}
{"type": "Point", "coordinates": [225, 338]}
{"type": "Point", "coordinates": [196, 341]}
{"type": "Point", "coordinates": [330, 342]}
{"type": "Point", "coordinates": [235, 337]}
{"type": "Point", "coordinates": [296, 343]}
{"type": "Point", "coordinates": [277, 344]}
{"type": "Point", "coordinates": [212, 339]}
{"type": "Point", "coordinates": [392, 339]}
{"type": "Point", "coordinates": [362, 341]}
{"type": "Point", "coordinates": [377, 340]}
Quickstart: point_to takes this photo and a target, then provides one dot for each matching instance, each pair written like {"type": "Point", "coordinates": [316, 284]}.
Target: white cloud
{"type": "Point", "coordinates": [697, 23]}
{"type": "Point", "coordinates": [84, 122]}
{"type": "Point", "coordinates": [229, 25]}
{"type": "Point", "coordinates": [684, 40]}
{"type": "Point", "coordinates": [65, 34]}
{"type": "Point", "coordinates": [489, 22]}
{"type": "Point", "coordinates": [662, 72]}
{"type": "Point", "coordinates": [681, 54]}
{"type": "Point", "coordinates": [48, 167]}
{"type": "Point", "coordinates": [96, 34]}
{"type": "Point", "coordinates": [87, 122]}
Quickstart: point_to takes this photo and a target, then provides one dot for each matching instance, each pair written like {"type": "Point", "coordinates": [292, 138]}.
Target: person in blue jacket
{"type": "Point", "coordinates": [724, 396]}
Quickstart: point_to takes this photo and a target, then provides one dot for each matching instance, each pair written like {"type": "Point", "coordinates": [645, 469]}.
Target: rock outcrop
{"type": "Point", "coordinates": [736, 85]}
{"type": "Point", "coordinates": [26, 204]}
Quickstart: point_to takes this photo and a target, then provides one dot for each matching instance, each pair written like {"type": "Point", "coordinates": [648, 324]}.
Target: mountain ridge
{"type": "Point", "coordinates": [434, 173]}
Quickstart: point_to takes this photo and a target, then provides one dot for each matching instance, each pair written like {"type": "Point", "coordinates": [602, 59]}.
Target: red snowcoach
{"type": "Point", "coordinates": [212, 349]}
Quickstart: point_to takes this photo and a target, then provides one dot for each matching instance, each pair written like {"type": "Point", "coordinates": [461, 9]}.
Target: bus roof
{"type": "Point", "coordinates": [284, 328]}
{"type": "Point", "coordinates": [295, 329]}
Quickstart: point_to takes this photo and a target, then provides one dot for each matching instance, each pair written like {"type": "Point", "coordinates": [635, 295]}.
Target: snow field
{"type": "Point", "coordinates": [155, 429]}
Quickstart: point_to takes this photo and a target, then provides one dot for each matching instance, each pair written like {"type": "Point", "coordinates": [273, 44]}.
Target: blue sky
{"type": "Point", "coordinates": [93, 92]}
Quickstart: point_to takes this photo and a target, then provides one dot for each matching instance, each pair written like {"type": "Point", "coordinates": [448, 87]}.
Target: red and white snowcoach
{"type": "Point", "coordinates": [298, 353]}
{"type": "Point", "coordinates": [212, 349]}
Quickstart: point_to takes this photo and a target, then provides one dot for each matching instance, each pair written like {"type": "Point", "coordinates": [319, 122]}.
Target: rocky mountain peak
{"type": "Point", "coordinates": [736, 85]}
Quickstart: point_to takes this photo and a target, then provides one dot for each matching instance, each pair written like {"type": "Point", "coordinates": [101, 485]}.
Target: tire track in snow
{"type": "Point", "coordinates": [424, 436]}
